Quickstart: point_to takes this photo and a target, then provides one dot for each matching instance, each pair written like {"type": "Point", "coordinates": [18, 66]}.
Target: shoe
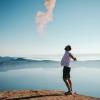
{"type": "Point", "coordinates": [68, 93]}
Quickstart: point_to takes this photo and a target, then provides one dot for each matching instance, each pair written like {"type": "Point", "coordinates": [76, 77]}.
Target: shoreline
{"type": "Point", "coordinates": [41, 95]}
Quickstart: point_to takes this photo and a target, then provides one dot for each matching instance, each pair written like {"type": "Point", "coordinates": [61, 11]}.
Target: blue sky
{"type": "Point", "coordinates": [76, 22]}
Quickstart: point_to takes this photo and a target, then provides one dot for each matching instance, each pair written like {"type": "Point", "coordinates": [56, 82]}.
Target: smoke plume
{"type": "Point", "coordinates": [43, 18]}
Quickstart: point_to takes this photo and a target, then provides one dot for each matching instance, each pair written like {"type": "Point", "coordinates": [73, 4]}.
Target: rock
{"type": "Point", "coordinates": [41, 95]}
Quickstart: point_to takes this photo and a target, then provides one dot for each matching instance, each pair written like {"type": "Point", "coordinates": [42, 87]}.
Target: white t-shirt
{"type": "Point", "coordinates": [65, 61]}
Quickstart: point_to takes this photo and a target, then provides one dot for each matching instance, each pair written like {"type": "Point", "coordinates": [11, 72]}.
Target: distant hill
{"type": "Point", "coordinates": [20, 60]}
{"type": "Point", "coordinates": [7, 60]}
{"type": "Point", "coordinates": [13, 63]}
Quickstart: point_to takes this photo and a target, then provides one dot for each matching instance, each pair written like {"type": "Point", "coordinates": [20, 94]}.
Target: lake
{"type": "Point", "coordinates": [85, 76]}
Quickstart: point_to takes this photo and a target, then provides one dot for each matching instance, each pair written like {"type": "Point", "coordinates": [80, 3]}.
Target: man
{"type": "Point", "coordinates": [66, 69]}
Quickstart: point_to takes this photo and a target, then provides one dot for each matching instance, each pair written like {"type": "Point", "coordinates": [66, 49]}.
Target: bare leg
{"type": "Point", "coordinates": [67, 84]}
{"type": "Point", "coordinates": [70, 83]}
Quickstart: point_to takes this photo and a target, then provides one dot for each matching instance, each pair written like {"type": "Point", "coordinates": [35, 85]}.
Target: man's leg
{"type": "Point", "coordinates": [66, 78]}
{"type": "Point", "coordinates": [70, 83]}
{"type": "Point", "coordinates": [67, 84]}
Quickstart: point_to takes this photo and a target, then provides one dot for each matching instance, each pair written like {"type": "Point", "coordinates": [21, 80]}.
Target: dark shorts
{"type": "Point", "coordinates": [66, 72]}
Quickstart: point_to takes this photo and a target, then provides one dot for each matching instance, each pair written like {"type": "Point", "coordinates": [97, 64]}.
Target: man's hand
{"type": "Point", "coordinates": [74, 59]}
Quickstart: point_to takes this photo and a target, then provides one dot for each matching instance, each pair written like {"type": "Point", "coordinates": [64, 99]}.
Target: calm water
{"type": "Point", "coordinates": [45, 75]}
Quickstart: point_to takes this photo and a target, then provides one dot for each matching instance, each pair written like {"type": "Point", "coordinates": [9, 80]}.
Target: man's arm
{"type": "Point", "coordinates": [73, 57]}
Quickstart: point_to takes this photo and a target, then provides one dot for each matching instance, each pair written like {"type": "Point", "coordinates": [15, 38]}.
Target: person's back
{"type": "Point", "coordinates": [65, 59]}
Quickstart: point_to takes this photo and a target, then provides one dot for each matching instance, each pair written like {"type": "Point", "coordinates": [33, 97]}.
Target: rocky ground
{"type": "Point", "coordinates": [41, 95]}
